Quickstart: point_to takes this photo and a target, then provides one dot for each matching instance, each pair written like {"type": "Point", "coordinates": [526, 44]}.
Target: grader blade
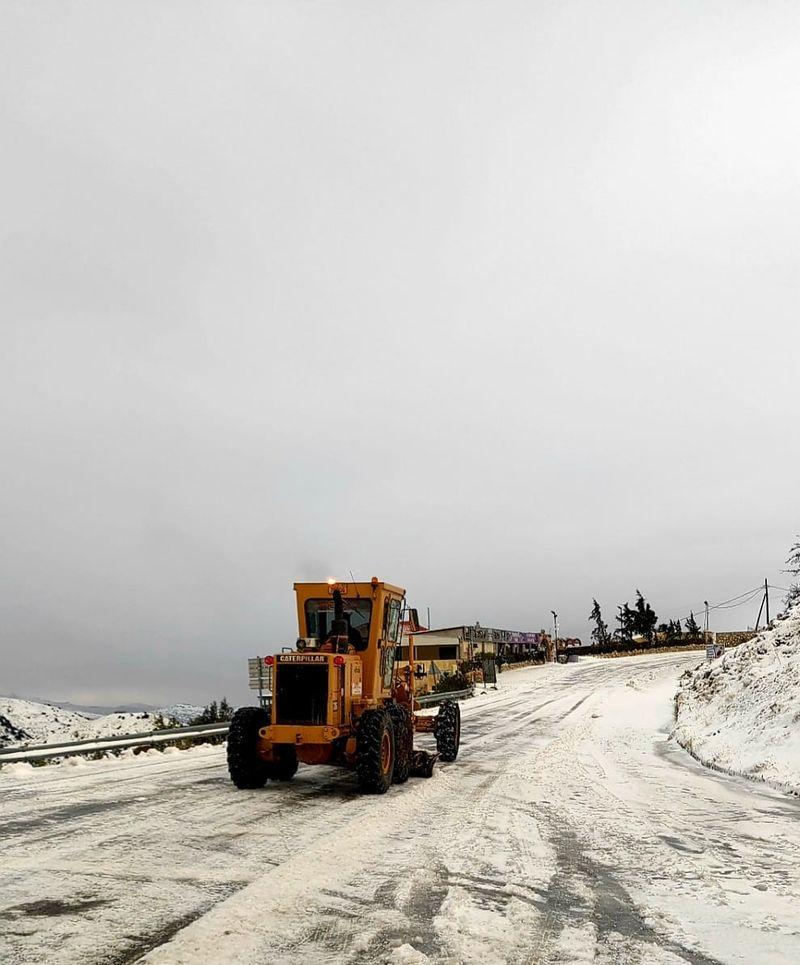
{"type": "Point", "coordinates": [422, 763]}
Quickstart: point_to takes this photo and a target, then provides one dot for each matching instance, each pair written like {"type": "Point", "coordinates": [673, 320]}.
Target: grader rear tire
{"type": "Point", "coordinates": [403, 742]}
{"type": "Point", "coordinates": [448, 730]}
{"type": "Point", "coordinates": [246, 768]}
{"type": "Point", "coordinates": [375, 752]}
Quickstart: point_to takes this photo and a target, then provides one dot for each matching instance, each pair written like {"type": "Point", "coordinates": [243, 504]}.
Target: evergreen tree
{"type": "Point", "coordinates": [160, 722]}
{"type": "Point", "coordinates": [214, 712]}
{"type": "Point", "coordinates": [626, 618]}
{"type": "Point", "coordinates": [645, 619]}
{"type": "Point", "coordinates": [600, 632]}
{"type": "Point", "coordinates": [793, 567]}
{"type": "Point", "coordinates": [674, 631]}
{"type": "Point", "coordinates": [692, 629]}
{"type": "Point", "coordinates": [670, 632]}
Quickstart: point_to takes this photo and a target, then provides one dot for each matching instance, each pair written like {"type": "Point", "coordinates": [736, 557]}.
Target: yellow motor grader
{"type": "Point", "coordinates": [337, 698]}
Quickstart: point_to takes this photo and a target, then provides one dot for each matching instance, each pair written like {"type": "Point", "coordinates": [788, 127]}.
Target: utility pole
{"type": "Point", "coordinates": [429, 618]}
{"type": "Point", "coordinates": [706, 632]}
{"type": "Point", "coordinates": [555, 635]}
{"type": "Point", "coordinates": [764, 600]}
{"type": "Point", "coordinates": [760, 611]}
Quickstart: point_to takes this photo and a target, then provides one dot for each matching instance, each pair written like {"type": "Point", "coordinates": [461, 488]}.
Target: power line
{"type": "Point", "coordinates": [717, 606]}
{"type": "Point", "coordinates": [701, 606]}
{"type": "Point", "coordinates": [730, 604]}
{"type": "Point", "coordinates": [733, 606]}
{"type": "Point", "coordinates": [742, 599]}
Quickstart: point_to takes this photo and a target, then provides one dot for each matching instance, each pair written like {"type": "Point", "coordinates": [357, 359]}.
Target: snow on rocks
{"type": "Point", "coordinates": [10, 732]}
{"type": "Point", "coordinates": [741, 713]}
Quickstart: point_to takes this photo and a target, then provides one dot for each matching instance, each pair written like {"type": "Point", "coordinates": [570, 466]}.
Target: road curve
{"type": "Point", "coordinates": [569, 830]}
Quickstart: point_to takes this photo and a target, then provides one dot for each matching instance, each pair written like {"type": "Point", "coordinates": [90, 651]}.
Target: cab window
{"type": "Point", "coordinates": [357, 613]}
{"type": "Point", "coordinates": [387, 666]}
{"type": "Point", "coordinates": [392, 620]}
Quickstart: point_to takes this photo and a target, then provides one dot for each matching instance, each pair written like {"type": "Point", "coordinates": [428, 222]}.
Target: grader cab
{"type": "Point", "coordinates": [338, 699]}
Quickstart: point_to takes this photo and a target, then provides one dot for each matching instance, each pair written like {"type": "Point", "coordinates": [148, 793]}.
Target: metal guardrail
{"type": "Point", "coordinates": [431, 700]}
{"type": "Point", "coordinates": [40, 752]}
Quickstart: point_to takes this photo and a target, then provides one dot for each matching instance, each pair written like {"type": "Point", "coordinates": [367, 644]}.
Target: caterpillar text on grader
{"type": "Point", "coordinates": [337, 698]}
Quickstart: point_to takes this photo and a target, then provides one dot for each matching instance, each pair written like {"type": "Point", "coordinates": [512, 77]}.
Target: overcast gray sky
{"type": "Point", "coordinates": [497, 301]}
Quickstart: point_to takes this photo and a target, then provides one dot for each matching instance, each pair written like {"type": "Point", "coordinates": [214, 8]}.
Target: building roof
{"type": "Point", "coordinates": [407, 629]}
{"type": "Point", "coordinates": [422, 630]}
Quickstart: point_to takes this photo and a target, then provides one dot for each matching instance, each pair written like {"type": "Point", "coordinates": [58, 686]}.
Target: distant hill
{"type": "Point", "coordinates": [44, 722]}
{"type": "Point", "coordinates": [96, 710]}
{"type": "Point", "coordinates": [182, 713]}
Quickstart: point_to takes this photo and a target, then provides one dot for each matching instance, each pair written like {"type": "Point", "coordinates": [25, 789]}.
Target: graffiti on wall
{"type": "Point", "coordinates": [478, 634]}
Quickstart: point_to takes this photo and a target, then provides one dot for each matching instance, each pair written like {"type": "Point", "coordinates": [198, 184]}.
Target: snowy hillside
{"type": "Point", "coordinates": [741, 713]}
{"type": "Point", "coordinates": [26, 721]}
{"type": "Point", "coordinates": [181, 713]}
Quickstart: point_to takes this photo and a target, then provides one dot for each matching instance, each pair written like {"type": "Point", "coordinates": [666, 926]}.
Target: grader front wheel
{"type": "Point", "coordinates": [375, 751]}
{"type": "Point", "coordinates": [248, 770]}
{"type": "Point", "coordinates": [448, 730]}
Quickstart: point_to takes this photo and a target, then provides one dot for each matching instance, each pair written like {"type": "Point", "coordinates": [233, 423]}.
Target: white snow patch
{"type": "Point", "coordinates": [22, 770]}
{"type": "Point", "coordinates": [407, 955]}
{"type": "Point", "coordinates": [19, 769]}
{"type": "Point", "coordinates": [576, 945]}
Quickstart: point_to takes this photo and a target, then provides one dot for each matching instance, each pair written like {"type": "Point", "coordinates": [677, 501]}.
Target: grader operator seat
{"type": "Point", "coordinates": [343, 636]}
{"type": "Point", "coordinates": [335, 617]}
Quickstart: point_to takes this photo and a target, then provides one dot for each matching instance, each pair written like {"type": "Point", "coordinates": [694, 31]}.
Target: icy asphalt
{"type": "Point", "coordinates": [569, 830]}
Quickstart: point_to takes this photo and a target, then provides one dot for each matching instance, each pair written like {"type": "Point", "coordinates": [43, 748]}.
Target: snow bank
{"type": "Point", "coordinates": [171, 756]}
{"type": "Point", "coordinates": [741, 713]}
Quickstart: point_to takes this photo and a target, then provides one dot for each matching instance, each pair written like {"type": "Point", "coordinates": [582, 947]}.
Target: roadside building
{"type": "Point", "coordinates": [441, 650]}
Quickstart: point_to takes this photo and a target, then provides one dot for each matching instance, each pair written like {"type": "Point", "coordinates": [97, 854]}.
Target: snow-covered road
{"type": "Point", "coordinates": [569, 830]}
